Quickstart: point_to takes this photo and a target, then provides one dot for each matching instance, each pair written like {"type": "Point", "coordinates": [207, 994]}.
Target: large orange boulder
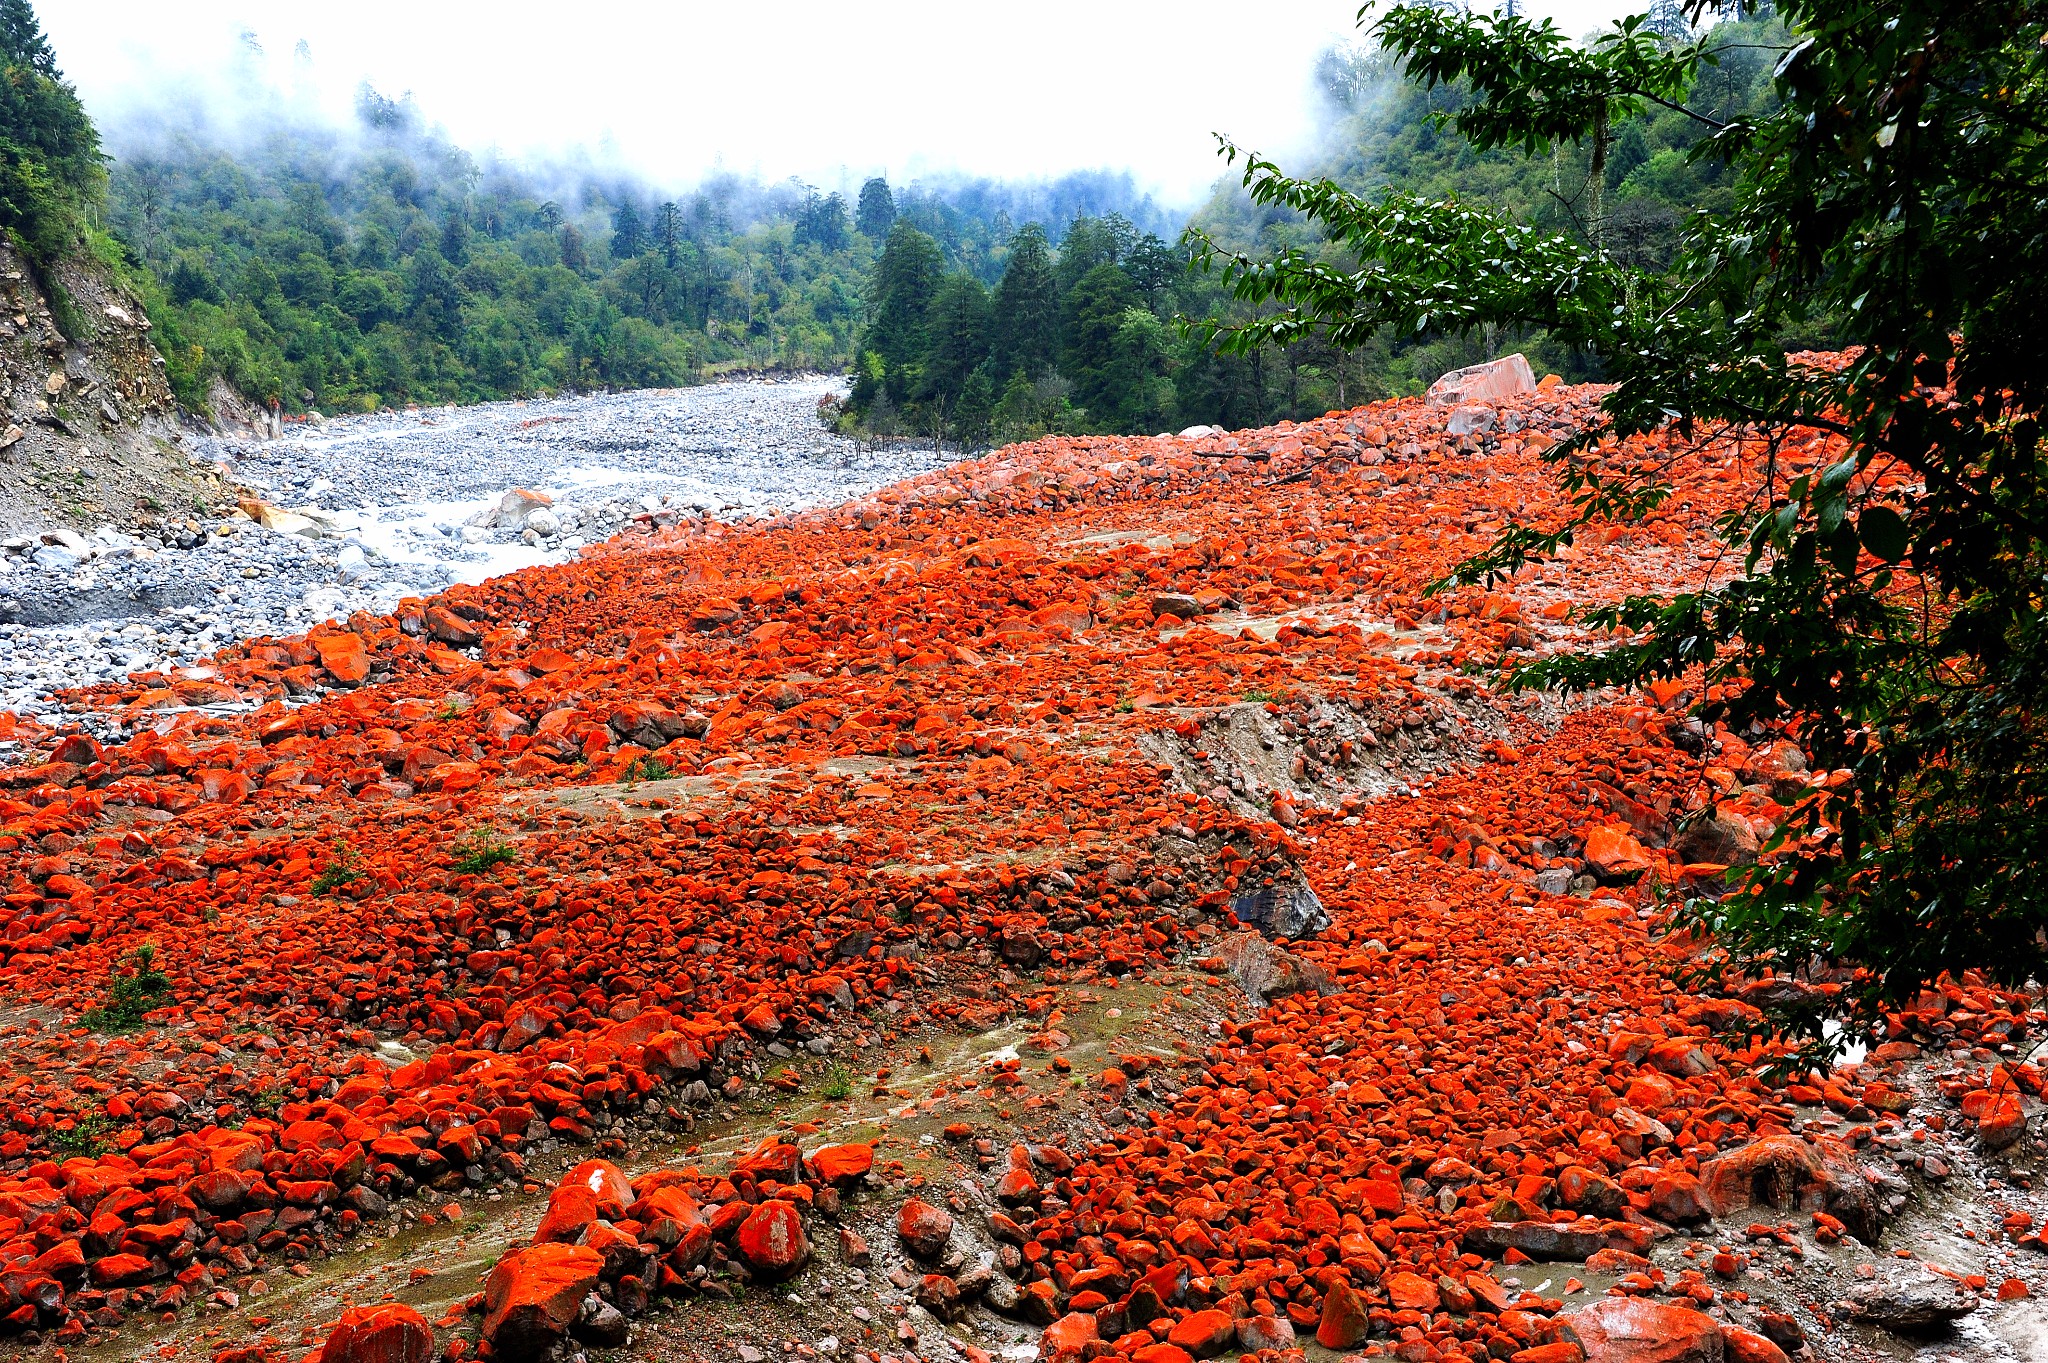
{"type": "Point", "coordinates": [1789, 1174]}
{"type": "Point", "coordinates": [1204, 1333]}
{"type": "Point", "coordinates": [1744, 1346]}
{"type": "Point", "coordinates": [1635, 1330]}
{"type": "Point", "coordinates": [1411, 1292]}
{"type": "Point", "coordinates": [923, 1228]}
{"type": "Point", "coordinates": [572, 1208]}
{"type": "Point", "coordinates": [345, 656]}
{"type": "Point", "coordinates": [450, 628]}
{"type": "Point", "coordinates": [1067, 1337]}
{"type": "Point", "coordinates": [772, 1239]}
{"type": "Point", "coordinates": [533, 1296]}
{"type": "Point", "coordinates": [1344, 1324]}
{"type": "Point", "coordinates": [2002, 1122]}
{"type": "Point", "coordinates": [842, 1166]}
{"type": "Point", "coordinates": [1613, 852]}
{"type": "Point", "coordinates": [607, 1185]}
{"type": "Point", "coordinates": [1161, 1353]}
{"type": "Point", "coordinates": [388, 1332]}
{"type": "Point", "coordinates": [1676, 1197]}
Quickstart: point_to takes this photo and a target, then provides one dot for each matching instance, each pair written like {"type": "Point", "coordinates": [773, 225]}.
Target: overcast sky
{"type": "Point", "coordinates": [830, 92]}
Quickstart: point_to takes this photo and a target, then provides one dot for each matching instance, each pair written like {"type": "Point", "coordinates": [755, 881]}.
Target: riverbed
{"type": "Point", "coordinates": [376, 508]}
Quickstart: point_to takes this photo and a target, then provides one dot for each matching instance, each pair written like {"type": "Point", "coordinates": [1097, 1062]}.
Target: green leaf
{"type": "Point", "coordinates": [1884, 533]}
{"type": "Point", "coordinates": [1842, 546]}
{"type": "Point", "coordinates": [1830, 506]}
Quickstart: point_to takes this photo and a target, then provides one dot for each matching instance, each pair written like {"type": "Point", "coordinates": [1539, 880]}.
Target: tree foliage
{"type": "Point", "coordinates": [1073, 339]}
{"type": "Point", "coordinates": [1392, 130]}
{"type": "Point", "coordinates": [1025, 335]}
{"type": "Point", "coordinates": [50, 165]}
{"type": "Point", "coordinates": [1889, 602]}
{"type": "Point", "coordinates": [349, 269]}
{"type": "Point", "coordinates": [876, 213]}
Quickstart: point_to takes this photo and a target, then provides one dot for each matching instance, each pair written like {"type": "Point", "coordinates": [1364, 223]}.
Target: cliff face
{"type": "Point", "coordinates": [90, 435]}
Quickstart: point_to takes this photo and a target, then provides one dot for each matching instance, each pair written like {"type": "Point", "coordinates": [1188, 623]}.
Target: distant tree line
{"type": "Point", "coordinates": [348, 269]}
{"type": "Point", "coordinates": [1076, 336]}
{"type": "Point", "coordinates": [1081, 334]}
{"type": "Point", "coordinates": [351, 270]}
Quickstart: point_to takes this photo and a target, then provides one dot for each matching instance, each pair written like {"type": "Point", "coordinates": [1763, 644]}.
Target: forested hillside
{"type": "Point", "coordinates": [348, 268]}
{"type": "Point", "coordinates": [1391, 135]}
{"type": "Point", "coordinates": [1086, 337]}
{"type": "Point", "coordinates": [357, 267]}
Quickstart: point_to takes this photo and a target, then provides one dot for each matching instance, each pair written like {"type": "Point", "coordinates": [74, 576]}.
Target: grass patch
{"type": "Point", "coordinates": [838, 1085]}
{"type": "Point", "coordinates": [1259, 696]}
{"type": "Point", "coordinates": [130, 994]}
{"type": "Point", "coordinates": [480, 852]}
{"type": "Point", "coordinates": [345, 869]}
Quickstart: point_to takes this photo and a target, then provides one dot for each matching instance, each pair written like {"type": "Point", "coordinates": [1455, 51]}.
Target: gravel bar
{"type": "Point", "coordinates": [403, 504]}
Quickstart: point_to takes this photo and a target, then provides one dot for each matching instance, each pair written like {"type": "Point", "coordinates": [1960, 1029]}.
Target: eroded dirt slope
{"type": "Point", "coordinates": [90, 435]}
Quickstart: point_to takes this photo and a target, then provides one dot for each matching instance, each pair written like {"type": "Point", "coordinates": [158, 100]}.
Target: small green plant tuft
{"type": "Point", "coordinates": [1260, 696]}
{"type": "Point", "coordinates": [647, 769]}
{"type": "Point", "coordinates": [130, 995]}
{"type": "Point", "coordinates": [345, 869]}
{"type": "Point", "coordinates": [86, 1138]}
{"type": "Point", "coordinates": [480, 852]}
{"type": "Point", "coordinates": [838, 1084]}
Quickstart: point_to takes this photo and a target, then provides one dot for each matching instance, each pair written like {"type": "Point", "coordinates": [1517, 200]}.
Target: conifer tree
{"type": "Point", "coordinates": [876, 212]}
{"type": "Point", "coordinates": [959, 337]}
{"type": "Point", "coordinates": [1095, 313]}
{"type": "Point", "coordinates": [629, 234]}
{"type": "Point", "coordinates": [1025, 328]}
{"type": "Point", "coordinates": [906, 282]}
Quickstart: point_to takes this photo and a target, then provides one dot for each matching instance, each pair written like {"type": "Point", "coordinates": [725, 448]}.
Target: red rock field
{"type": "Point", "coordinates": [1088, 901]}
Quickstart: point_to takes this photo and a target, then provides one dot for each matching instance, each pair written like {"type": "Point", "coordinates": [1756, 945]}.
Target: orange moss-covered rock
{"type": "Point", "coordinates": [590, 838]}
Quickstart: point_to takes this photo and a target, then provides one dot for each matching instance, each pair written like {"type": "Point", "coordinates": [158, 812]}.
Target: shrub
{"type": "Point", "coordinates": [648, 769]}
{"type": "Point", "coordinates": [130, 995]}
